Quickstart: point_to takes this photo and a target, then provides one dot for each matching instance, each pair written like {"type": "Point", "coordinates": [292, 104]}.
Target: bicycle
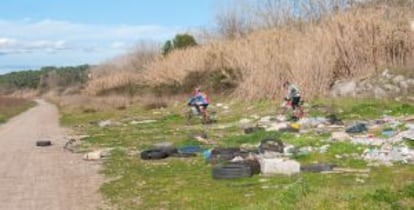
{"type": "Point", "coordinates": [205, 117]}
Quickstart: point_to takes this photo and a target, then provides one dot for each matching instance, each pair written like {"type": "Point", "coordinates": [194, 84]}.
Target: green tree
{"type": "Point", "coordinates": [180, 41]}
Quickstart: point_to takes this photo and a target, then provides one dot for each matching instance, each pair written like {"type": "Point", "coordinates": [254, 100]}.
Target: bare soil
{"type": "Point", "coordinates": [43, 177]}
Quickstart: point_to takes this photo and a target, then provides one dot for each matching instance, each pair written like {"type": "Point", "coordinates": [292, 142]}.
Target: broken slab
{"type": "Point", "coordinates": [274, 166]}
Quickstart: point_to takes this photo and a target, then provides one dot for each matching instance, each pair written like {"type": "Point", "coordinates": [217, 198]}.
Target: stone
{"type": "Point", "coordinates": [379, 93]}
{"type": "Point", "coordinates": [396, 80]}
{"type": "Point", "coordinates": [95, 155]}
{"type": "Point", "coordinates": [391, 88]}
{"type": "Point", "coordinates": [404, 86]}
{"type": "Point", "coordinates": [344, 88]}
{"type": "Point", "coordinates": [104, 123]}
{"type": "Point", "coordinates": [274, 166]}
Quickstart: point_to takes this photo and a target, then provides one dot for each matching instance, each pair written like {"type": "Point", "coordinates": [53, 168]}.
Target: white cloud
{"type": "Point", "coordinates": [52, 42]}
{"type": "Point", "coordinates": [6, 42]}
{"type": "Point", "coordinates": [28, 36]}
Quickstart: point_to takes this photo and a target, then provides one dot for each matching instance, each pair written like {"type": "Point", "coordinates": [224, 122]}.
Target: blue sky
{"type": "Point", "coordinates": [35, 33]}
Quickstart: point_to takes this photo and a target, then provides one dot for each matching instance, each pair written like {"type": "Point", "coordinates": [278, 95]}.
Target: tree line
{"type": "Point", "coordinates": [45, 78]}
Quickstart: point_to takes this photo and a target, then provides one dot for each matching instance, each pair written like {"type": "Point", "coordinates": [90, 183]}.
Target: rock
{"type": "Point", "coordinates": [404, 86]}
{"type": "Point", "coordinates": [410, 82]}
{"type": "Point", "coordinates": [97, 155]}
{"type": "Point", "coordinates": [396, 80]}
{"type": "Point", "coordinates": [391, 88]}
{"type": "Point", "coordinates": [273, 166]}
{"type": "Point", "coordinates": [104, 123]}
{"type": "Point", "coordinates": [344, 88]}
{"type": "Point", "coordinates": [386, 74]}
{"type": "Point", "coordinates": [340, 136]}
{"type": "Point", "coordinates": [379, 93]}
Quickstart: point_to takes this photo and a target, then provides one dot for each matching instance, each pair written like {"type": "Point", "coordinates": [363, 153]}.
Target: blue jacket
{"type": "Point", "coordinates": [199, 98]}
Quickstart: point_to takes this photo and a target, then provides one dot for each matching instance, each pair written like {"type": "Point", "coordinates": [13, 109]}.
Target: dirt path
{"type": "Point", "coordinates": [43, 178]}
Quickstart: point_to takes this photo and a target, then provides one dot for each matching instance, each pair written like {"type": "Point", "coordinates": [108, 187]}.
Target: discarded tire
{"type": "Point", "coordinates": [254, 166]}
{"type": "Point", "coordinates": [169, 150]}
{"type": "Point", "coordinates": [316, 168]}
{"type": "Point", "coordinates": [43, 143]}
{"type": "Point", "coordinates": [274, 145]}
{"type": "Point", "coordinates": [154, 154]}
{"type": "Point", "coordinates": [221, 155]}
{"type": "Point", "coordinates": [232, 171]}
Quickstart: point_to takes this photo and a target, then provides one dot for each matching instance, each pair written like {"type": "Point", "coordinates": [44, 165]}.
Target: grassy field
{"type": "Point", "coordinates": [10, 107]}
{"type": "Point", "coordinates": [187, 183]}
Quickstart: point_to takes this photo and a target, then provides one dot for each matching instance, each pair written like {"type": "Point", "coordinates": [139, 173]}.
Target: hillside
{"type": "Point", "coordinates": [350, 43]}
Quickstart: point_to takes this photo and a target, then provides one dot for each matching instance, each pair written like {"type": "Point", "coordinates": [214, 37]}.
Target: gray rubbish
{"type": "Point", "coordinates": [357, 128]}
{"type": "Point", "coordinates": [318, 167]}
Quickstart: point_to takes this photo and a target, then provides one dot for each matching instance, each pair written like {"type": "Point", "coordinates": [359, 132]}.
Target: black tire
{"type": "Point", "coordinates": [254, 166]}
{"type": "Point", "coordinates": [274, 145]}
{"type": "Point", "coordinates": [316, 168]}
{"type": "Point", "coordinates": [232, 171]}
{"type": "Point", "coordinates": [222, 155]}
{"type": "Point", "coordinates": [154, 154]}
{"type": "Point", "coordinates": [169, 150]}
{"type": "Point", "coordinates": [43, 143]}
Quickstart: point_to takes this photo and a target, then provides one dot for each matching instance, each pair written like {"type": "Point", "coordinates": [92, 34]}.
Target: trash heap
{"type": "Point", "coordinates": [384, 139]}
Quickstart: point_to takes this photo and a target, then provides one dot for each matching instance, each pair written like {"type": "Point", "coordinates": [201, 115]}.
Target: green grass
{"type": "Point", "coordinates": [187, 183]}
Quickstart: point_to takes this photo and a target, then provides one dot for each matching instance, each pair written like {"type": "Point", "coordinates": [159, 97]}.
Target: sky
{"type": "Point", "coordinates": [36, 33]}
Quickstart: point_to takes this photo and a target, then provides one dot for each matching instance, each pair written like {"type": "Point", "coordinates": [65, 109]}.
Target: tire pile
{"type": "Point", "coordinates": [228, 163]}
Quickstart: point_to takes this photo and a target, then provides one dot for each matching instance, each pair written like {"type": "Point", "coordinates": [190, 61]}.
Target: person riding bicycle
{"type": "Point", "coordinates": [200, 101]}
{"type": "Point", "coordinates": [293, 96]}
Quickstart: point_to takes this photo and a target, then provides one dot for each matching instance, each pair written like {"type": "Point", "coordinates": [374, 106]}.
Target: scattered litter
{"type": "Point", "coordinates": [190, 149]}
{"type": "Point", "coordinates": [98, 154]}
{"type": "Point", "coordinates": [389, 154]}
{"type": "Point", "coordinates": [368, 140]}
{"type": "Point", "coordinates": [312, 122]}
{"type": "Point", "coordinates": [388, 133]}
{"type": "Point", "coordinates": [272, 145]}
{"type": "Point", "coordinates": [357, 128]}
